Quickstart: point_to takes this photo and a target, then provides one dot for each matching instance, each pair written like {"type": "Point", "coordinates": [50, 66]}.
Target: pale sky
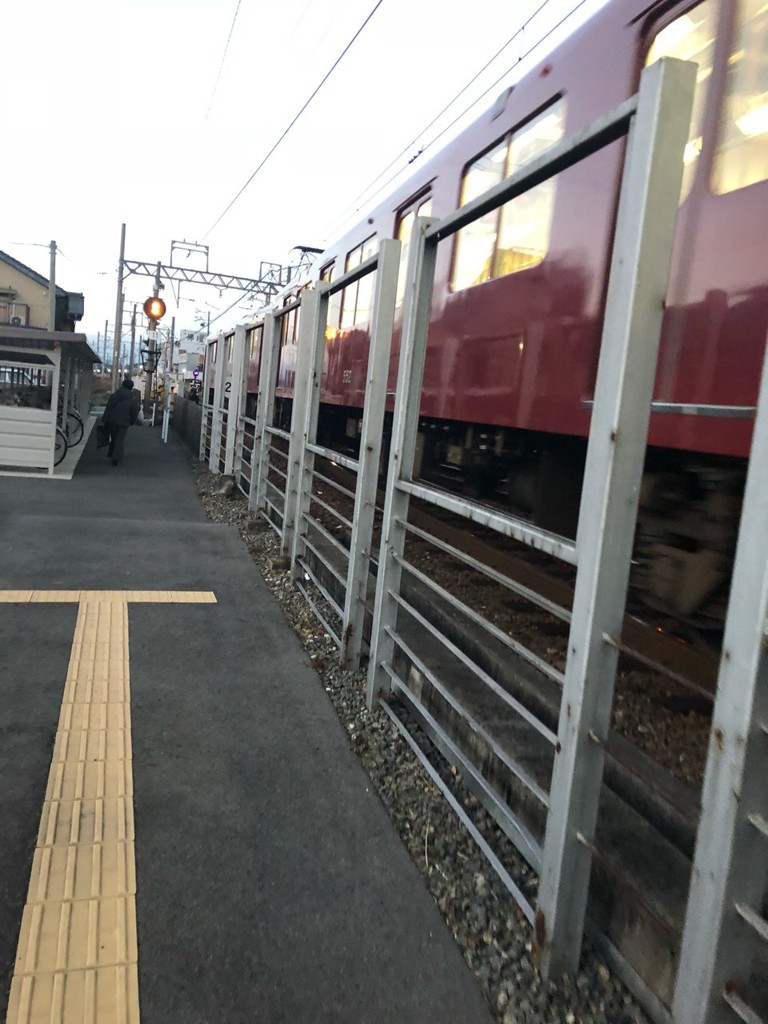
{"type": "Point", "coordinates": [112, 113]}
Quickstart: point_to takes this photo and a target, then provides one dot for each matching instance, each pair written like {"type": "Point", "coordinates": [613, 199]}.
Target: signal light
{"type": "Point", "coordinates": [154, 307]}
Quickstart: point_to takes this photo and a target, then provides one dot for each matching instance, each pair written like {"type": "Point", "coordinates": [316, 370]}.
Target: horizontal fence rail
{"type": "Point", "coordinates": [541, 755]}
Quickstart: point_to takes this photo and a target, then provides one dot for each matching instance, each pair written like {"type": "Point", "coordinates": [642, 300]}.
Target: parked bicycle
{"type": "Point", "coordinates": [61, 447]}
{"type": "Point", "coordinates": [74, 428]}
{"type": "Point", "coordinates": [29, 398]}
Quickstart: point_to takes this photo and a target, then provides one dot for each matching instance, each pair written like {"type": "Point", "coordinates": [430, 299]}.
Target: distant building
{"type": "Point", "coordinates": [190, 355]}
{"type": "Point", "coordinates": [24, 298]}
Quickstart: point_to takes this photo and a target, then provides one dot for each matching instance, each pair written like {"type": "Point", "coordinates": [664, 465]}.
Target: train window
{"type": "Point", "coordinates": [526, 221]}
{"type": "Point", "coordinates": [476, 242]}
{"type": "Point", "coordinates": [690, 37]}
{"type": "Point", "coordinates": [289, 328]}
{"type": "Point", "coordinates": [357, 297]}
{"type": "Point", "coordinates": [515, 236]}
{"type": "Point", "coordinates": [742, 151]}
{"type": "Point", "coordinates": [421, 208]}
{"type": "Point", "coordinates": [334, 302]}
{"type": "Point", "coordinates": [254, 343]}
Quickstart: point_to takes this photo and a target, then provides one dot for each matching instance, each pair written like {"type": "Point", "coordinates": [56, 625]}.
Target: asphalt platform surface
{"type": "Point", "coordinates": [272, 886]}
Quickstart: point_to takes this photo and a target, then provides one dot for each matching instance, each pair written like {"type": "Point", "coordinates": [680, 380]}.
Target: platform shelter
{"type": "Point", "coordinates": [43, 374]}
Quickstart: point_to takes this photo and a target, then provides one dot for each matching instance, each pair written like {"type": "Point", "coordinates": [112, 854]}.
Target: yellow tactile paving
{"type": "Point", "coordinates": [82, 872]}
{"type": "Point", "coordinates": [95, 686]}
{"type": "Point", "coordinates": [68, 822]}
{"type": "Point", "coordinates": [76, 934]}
{"type": "Point", "coordinates": [85, 997]}
{"type": "Point", "coordinates": [109, 596]}
{"type": "Point", "coordinates": [77, 954]}
{"type": "Point", "coordinates": [101, 717]}
{"type": "Point", "coordinates": [89, 780]}
{"type": "Point", "coordinates": [92, 744]}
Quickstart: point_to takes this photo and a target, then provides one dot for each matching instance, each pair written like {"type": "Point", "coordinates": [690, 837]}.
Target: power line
{"type": "Point", "coordinates": [345, 216]}
{"type": "Point", "coordinates": [296, 118]}
{"type": "Point", "coordinates": [448, 105]}
{"type": "Point", "coordinates": [232, 305]}
{"type": "Point", "coordinates": [223, 58]}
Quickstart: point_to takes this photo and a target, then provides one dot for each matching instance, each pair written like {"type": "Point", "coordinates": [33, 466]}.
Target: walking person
{"type": "Point", "coordinates": [120, 413]}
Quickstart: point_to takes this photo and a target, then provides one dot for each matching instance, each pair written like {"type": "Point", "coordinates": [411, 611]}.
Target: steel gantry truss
{"type": "Point", "coordinates": [272, 276]}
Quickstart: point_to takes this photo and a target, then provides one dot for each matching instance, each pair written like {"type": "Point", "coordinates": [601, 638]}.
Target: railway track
{"type": "Point", "coordinates": [656, 648]}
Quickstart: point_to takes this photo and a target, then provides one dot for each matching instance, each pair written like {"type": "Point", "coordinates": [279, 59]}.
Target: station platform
{"type": "Point", "coordinates": [186, 836]}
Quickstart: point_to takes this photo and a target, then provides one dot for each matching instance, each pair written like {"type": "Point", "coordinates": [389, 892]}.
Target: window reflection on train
{"type": "Point", "coordinates": [516, 235]}
{"type": "Point", "coordinates": [741, 155]}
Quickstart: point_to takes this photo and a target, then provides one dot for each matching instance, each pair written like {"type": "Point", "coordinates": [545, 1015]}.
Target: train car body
{"type": "Point", "coordinates": [518, 299]}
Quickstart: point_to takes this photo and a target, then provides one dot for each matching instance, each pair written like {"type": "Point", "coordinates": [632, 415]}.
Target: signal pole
{"type": "Point", "coordinates": [154, 307]}
{"type": "Point", "coordinates": [133, 340]}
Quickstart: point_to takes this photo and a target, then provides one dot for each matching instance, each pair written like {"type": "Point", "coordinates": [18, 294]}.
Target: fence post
{"type": "Point", "coordinates": [725, 922]}
{"type": "Point", "coordinates": [618, 434]}
{"type": "Point", "coordinates": [309, 313]}
{"type": "Point", "coordinates": [315, 343]}
{"type": "Point", "coordinates": [216, 406]}
{"type": "Point", "coordinates": [237, 384]}
{"type": "Point", "coordinates": [382, 324]}
{"type": "Point", "coordinates": [209, 375]}
{"type": "Point", "coordinates": [265, 410]}
{"type": "Point", "coordinates": [413, 347]}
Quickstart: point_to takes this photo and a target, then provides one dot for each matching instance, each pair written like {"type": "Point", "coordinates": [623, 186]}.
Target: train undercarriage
{"type": "Point", "coordinates": [687, 518]}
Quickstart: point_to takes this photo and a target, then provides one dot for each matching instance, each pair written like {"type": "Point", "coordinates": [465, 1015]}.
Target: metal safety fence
{"type": "Point", "coordinates": [541, 754]}
{"type": "Point", "coordinates": [563, 773]}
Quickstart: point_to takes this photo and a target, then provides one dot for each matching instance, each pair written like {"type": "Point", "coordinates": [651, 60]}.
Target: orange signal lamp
{"type": "Point", "coordinates": [154, 307]}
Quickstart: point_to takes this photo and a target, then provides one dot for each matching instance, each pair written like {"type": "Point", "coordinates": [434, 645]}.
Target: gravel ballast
{"type": "Point", "coordinates": [493, 935]}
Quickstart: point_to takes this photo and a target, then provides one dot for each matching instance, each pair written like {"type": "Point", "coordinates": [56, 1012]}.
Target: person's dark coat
{"type": "Point", "coordinates": [121, 412]}
{"type": "Point", "coordinates": [122, 408]}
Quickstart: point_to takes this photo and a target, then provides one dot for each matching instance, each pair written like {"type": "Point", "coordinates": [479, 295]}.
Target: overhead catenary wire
{"type": "Point", "coordinates": [240, 299]}
{"type": "Point", "coordinates": [369, 197]}
{"type": "Point", "coordinates": [473, 79]}
{"type": "Point", "coordinates": [223, 58]}
{"type": "Point", "coordinates": [296, 118]}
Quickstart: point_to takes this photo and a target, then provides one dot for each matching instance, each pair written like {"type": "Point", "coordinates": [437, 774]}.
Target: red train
{"type": "Point", "coordinates": [519, 295]}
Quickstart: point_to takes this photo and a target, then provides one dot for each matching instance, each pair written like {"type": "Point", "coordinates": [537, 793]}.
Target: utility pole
{"type": "Point", "coordinates": [133, 340]}
{"type": "Point", "coordinates": [152, 342]}
{"type": "Point", "coordinates": [52, 290]}
{"type": "Point", "coordinates": [118, 311]}
{"type": "Point", "coordinates": [170, 344]}
{"type": "Point", "coordinates": [167, 375]}
{"type": "Point", "coordinates": [106, 329]}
